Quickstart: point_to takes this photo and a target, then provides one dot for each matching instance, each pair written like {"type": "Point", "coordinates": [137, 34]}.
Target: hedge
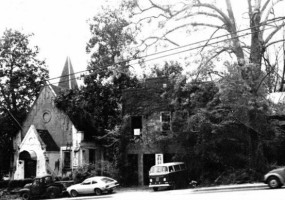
{"type": "Point", "coordinates": [18, 183]}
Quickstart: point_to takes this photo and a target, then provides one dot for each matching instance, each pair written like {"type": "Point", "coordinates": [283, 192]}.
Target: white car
{"type": "Point", "coordinates": [94, 185]}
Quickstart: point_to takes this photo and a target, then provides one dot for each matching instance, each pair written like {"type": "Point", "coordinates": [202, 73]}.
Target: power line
{"type": "Point", "coordinates": [183, 51]}
{"type": "Point", "coordinates": [180, 47]}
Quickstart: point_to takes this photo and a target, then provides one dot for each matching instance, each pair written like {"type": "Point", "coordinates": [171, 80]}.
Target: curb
{"type": "Point", "coordinates": [233, 187]}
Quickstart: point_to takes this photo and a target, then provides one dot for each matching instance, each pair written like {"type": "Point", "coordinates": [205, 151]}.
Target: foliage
{"type": "Point", "coordinates": [109, 45]}
{"type": "Point", "coordinates": [95, 108]}
{"type": "Point", "coordinates": [227, 128]}
{"type": "Point", "coordinates": [21, 77]}
{"type": "Point", "coordinates": [104, 168]}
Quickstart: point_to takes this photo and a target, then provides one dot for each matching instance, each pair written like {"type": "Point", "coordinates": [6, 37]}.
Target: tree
{"type": "Point", "coordinates": [263, 23]}
{"type": "Point", "coordinates": [21, 76]}
{"type": "Point", "coordinates": [246, 84]}
{"type": "Point", "coordinates": [97, 106]}
{"type": "Point", "coordinates": [109, 45]}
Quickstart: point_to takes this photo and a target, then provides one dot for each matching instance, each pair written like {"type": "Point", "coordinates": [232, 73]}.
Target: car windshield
{"type": "Point", "coordinates": [158, 169]}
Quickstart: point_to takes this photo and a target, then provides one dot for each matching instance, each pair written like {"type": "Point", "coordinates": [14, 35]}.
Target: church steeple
{"type": "Point", "coordinates": [67, 79]}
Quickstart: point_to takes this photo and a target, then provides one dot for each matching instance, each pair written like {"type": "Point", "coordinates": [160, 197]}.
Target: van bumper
{"type": "Point", "coordinates": [159, 185]}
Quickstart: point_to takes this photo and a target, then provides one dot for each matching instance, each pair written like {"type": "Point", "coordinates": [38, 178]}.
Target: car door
{"type": "Point", "coordinates": [37, 188]}
{"type": "Point", "coordinates": [85, 187]}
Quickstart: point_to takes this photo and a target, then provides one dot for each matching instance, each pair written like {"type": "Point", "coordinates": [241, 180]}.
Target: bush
{"type": "Point", "coordinates": [18, 183]}
{"type": "Point", "coordinates": [104, 168]}
{"type": "Point", "coordinates": [4, 184]}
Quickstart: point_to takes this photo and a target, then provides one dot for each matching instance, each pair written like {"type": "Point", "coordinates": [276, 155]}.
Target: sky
{"type": "Point", "coordinates": [60, 28]}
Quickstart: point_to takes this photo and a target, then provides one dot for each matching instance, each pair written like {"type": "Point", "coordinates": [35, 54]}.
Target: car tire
{"type": "Point", "coordinates": [97, 191]}
{"type": "Point", "coordinates": [25, 195]}
{"type": "Point", "coordinates": [274, 182]}
{"type": "Point", "coordinates": [155, 189]}
{"type": "Point", "coordinates": [174, 186]}
{"type": "Point", "coordinates": [53, 192]}
{"type": "Point", "coordinates": [73, 193]}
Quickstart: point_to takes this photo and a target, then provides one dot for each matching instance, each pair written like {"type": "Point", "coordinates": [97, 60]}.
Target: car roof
{"type": "Point", "coordinates": [170, 164]}
{"type": "Point", "coordinates": [96, 178]}
{"type": "Point", "coordinates": [43, 176]}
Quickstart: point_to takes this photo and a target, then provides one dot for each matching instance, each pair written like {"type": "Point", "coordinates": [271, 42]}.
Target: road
{"type": "Point", "coordinates": [192, 194]}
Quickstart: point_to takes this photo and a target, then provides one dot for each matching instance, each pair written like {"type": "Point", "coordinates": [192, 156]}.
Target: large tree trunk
{"type": "Point", "coordinates": [257, 49]}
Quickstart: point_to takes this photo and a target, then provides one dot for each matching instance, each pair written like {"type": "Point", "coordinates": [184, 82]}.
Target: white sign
{"type": "Point", "coordinates": [137, 131]}
{"type": "Point", "coordinates": [158, 159]}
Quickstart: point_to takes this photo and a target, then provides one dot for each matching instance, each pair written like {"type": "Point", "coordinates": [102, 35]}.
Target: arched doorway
{"type": "Point", "coordinates": [30, 163]}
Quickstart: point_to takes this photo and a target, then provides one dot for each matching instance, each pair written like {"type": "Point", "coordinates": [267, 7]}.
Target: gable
{"type": "Point", "coordinates": [44, 115]}
{"type": "Point", "coordinates": [31, 138]}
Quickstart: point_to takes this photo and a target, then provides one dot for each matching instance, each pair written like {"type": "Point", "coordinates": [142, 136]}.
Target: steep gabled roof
{"type": "Point", "coordinates": [57, 90]}
{"type": "Point", "coordinates": [47, 140]}
{"type": "Point", "coordinates": [67, 79]}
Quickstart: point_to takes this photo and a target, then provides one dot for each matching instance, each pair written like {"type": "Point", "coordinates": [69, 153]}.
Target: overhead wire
{"type": "Point", "coordinates": [178, 52]}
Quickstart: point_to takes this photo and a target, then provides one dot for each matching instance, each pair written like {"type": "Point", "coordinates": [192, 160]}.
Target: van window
{"type": "Point", "coordinates": [171, 169]}
{"type": "Point", "coordinates": [158, 169]}
{"type": "Point", "coordinates": [182, 167]}
{"type": "Point", "coordinates": [176, 167]}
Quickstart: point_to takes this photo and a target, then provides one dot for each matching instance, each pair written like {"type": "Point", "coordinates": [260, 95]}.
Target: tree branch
{"type": "Point", "coordinates": [226, 19]}
{"type": "Point", "coordinates": [269, 37]}
{"type": "Point", "coordinates": [274, 42]}
{"type": "Point", "coordinates": [202, 13]}
{"type": "Point", "coordinates": [268, 12]}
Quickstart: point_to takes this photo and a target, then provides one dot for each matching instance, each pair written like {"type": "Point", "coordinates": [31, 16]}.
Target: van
{"type": "Point", "coordinates": [169, 175]}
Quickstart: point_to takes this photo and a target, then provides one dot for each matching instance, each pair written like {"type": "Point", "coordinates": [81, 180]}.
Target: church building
{"type": "Point", "coordinates": [49, 142]}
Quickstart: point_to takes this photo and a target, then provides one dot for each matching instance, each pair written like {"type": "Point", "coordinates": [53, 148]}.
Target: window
{"type": "Point", "coordinates": [136, 124]}
{"type": "Point", "coordinates": [86, 183]}
{"type": "Point", "coordinates": [176, 167]}
{"type": "Point", "coordinates": [66, 161]}
{"type": "Point", "coordinates": [182, 167]}
{"type": "Point", "coordinates": [165, 118]}
{"type": "Point", "coordinates": [91, 155]}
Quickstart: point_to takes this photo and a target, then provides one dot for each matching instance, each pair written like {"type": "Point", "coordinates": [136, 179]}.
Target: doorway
{"type": "Point", "coordinates": [30, 163]}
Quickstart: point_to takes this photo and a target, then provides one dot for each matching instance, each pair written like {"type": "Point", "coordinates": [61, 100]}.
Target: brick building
{"type": "Point", "coordinates": [150, 114]}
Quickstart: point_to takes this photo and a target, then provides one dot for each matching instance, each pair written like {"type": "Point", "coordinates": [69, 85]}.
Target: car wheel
{"type": "Point", "coordinates": [97, 191]}
{"type": "Point", "coordinates": [273, 182]}
{"type": "Point", "coordinates": [174, 186]}
{"type": "Point", "coordinates": [155, 189]}
{"type": "Point", "coordinates": [25, 196]}
{"type": "Point", "coordinates": [73, 193]}
{"type": "Point", "coordinates": [53, 192]}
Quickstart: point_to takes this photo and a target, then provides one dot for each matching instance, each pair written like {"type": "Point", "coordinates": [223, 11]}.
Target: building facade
{"type": "Point", "coordinates": [150, 118]}
{"type": "Point", "coordinates": [49, 142]}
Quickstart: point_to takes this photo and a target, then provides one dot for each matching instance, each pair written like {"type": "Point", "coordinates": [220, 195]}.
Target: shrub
{"type": "Point", "coordinates": [104, 168]}
{"type": "Point", "coordinates": [4, 184]}
{"type": "Point", "coordinates": [18, 183]}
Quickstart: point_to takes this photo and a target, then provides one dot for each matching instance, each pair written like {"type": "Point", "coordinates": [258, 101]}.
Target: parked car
{"type": "Point", "coordinates": [170, 175]}
{"type": "Point", "coordinates": [275, 178]}
{"type": "Point", "coordinates": [44, 187]}
{"type": "Point", "coordinates": [94, 185]}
